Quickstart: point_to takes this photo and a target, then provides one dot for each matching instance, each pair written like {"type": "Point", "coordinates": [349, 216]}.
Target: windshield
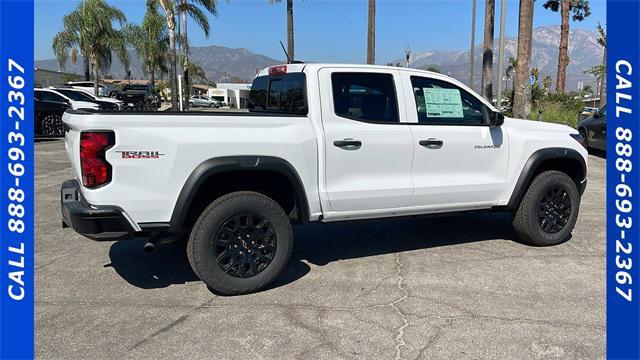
{"type": "Point", "coordinates": [75, 95]}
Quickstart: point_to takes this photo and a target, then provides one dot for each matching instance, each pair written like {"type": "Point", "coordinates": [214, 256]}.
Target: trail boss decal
{"type": "Point", "coordinates": [140, 154]}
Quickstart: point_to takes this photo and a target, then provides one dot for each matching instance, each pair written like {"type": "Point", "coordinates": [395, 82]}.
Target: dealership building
{"type": "Point", "coordinates": [234, 95]}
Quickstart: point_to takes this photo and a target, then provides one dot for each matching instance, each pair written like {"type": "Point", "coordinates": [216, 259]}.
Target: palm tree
{"type": "Point", "coordinates": [579, 9]}
{"type": "Point", "coordinates": [546, 83]}
{"type": "Point", "coordinates": [89, 30]}
{"type": "Point", "coordinates": [602, 41]}
{"type": "Point", "coordinates": [600, 73]}
{"type": "Point", "coordinates": [151, 42]}
{"type": "Point", "coordinates": [511, 67]}
{"type": "Point", "coordinates": [522, 90]}
{"type": "Point", "coordinates": [72, 33]}
{"type": "Point", "coordinates": [190, 7]}
{"type": "Point", "coordinates": [371, 33]}
{"type": "Point", "coordinates": [170, 17]}
{"type": "Point", "coordinates": [290, 45]}
{"type": "Point", "coordinates": [487, 52]}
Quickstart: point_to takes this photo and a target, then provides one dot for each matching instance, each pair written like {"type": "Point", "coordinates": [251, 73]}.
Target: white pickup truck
{"type": "Point", "coordinates": [320, 143]}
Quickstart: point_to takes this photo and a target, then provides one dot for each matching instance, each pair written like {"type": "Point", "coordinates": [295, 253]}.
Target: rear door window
{"type": "Point", "coordinates": [284, 94]}
{"type": "Point", "coordinates": [369, 97]}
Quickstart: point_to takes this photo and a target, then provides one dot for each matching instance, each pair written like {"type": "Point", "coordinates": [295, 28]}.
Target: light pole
{"type": "Point", "coordinates": [473, 41]}
{"type": "Point", "coordinates": [503, 12]}
{"type": "Point", "coordinates": [407, 54]}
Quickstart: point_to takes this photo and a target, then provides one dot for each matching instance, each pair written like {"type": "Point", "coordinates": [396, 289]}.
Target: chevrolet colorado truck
{"type": "Point", "coordinates": [319, 143]}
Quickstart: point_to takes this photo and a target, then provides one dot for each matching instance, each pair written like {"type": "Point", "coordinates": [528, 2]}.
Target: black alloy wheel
{"type": "Point", "coordinates": [240, 243]}
{"type": "Point", "coordinates": [554, 210]}
{"type": "Point", "coordinates": [548, 211]}
{"type": "Point", "coordinates": [245, 245]}
{"type": "Point", "coordinates": [52, 125]}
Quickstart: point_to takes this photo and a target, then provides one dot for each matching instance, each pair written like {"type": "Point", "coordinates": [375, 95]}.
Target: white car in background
{"type": "Point", "coordinates": [52, 95]}
{"type": "Point", "coordinates": [204, 101]}
{"type": "Point", "coordinates": [87, 86]}
{"type": "Point", "coordinates": [105, 103]}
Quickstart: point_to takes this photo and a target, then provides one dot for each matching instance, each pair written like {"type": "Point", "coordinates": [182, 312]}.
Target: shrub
{"type": "Point", "coordinates": [558, 108]}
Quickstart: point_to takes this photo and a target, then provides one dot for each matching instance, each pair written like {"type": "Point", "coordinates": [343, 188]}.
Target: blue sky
{"type": "Point", "coordinates": [328, 30]}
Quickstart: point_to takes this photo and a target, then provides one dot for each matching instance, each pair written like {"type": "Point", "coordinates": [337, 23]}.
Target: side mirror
{"type": "Point", "coordinates": [496, 119]}
{"type": "Point", "coordinates": [596, 114]}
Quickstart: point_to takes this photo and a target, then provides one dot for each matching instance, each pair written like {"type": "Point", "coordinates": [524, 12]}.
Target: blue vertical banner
{"type": "Point", "coordinates": [16, 180]}
{"type": "Point", "coordinates": [623, 179]}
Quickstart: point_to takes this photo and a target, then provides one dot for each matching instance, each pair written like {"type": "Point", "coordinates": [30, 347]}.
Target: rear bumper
{"type": "Point", "coordinates": [101, 223]}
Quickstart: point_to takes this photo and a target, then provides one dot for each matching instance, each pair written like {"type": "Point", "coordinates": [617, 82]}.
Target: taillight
{"type": "Point", "coordinates": [96, 171]}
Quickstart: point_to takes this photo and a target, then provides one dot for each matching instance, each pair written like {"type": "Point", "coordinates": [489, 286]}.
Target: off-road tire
{"type": "Point", "coordinates": [526, 220]}
{"type": "Point", "coordinates": [200, 248]}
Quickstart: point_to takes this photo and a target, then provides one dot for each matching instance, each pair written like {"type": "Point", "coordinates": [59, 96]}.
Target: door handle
{"type": "Point", "coordinates": [348, 144]}
{"type": "Point", "coordinates": [431, 143]}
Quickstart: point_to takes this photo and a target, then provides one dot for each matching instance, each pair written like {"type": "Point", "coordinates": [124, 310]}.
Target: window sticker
{"type": "Point", "coordinates": [443, 103]}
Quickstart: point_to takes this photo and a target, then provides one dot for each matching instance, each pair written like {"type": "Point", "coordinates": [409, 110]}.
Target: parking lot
{"type": "Point", "coordinates": [430, 288]}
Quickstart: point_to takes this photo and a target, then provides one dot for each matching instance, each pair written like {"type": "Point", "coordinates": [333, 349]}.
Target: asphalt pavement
{"type": "Point", "coordinates": [456, 287]}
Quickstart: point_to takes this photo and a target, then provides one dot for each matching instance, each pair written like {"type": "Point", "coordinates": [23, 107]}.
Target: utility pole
{"type": "Point", "coordinates": [503, 12]}
{"type": "Point", "coordinates": [407, 54]}
{"type": "Point", "coordinates": [473, 41]}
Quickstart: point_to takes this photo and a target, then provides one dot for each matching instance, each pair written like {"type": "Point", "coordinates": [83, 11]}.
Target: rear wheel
{"type": "Point", "coordinates": [549, 210]}
{"type": "Point", "coordinates": [240, 243]}
{"type": "Point", "coordinates": [51, 125]}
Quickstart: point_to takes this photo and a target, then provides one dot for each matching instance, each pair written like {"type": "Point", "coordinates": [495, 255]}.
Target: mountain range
{"type": "Point", "coordinates": [219, 62]}
{"type": "Point", "coordinates": [584, 53]}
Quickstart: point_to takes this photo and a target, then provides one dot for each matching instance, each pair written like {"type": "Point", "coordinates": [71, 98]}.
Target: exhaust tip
{"type": "Point", "coordinates": [149, 247]}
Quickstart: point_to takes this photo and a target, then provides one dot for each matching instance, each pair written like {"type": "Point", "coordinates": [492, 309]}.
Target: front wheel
{"type": "Point", "coordinates": [240, 243]}
{"type": "Point", "coordinates": [548, 211]}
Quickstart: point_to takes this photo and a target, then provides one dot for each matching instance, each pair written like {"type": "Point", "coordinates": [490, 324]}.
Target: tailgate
{"type": "Point", "coordinates": [72, 141]}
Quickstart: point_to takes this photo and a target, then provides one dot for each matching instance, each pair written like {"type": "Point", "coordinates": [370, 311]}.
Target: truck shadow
{"type": "Point", "coordinates": [319, 244]}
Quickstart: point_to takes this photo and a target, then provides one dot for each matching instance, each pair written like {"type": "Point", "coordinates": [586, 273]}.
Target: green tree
{"type": "Point", "coordinates": [290, 37]}
{"type": "Point", "coordinates": [192, 9]}
{"type": "Point", "coordinates": [578, 10]}
{"type": "Point", "coordinates": [602, 41]}
{"type": "Point", "coordinates": [70, 42]}
{"type": "Point", "coordinates": [546, 83]}
{"type": "Point", "coordinates": [511, 67]}
{"type": "Point", "coordinates": [89, 29]}
{"type": "Point", "coordinates": [151, 41]}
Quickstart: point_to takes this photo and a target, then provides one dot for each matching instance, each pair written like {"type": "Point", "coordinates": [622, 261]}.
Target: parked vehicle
{"type": "Point", "coordinates": [53, 95]}
{"type": "Point", "coordinates": [47, 119]}
{"type": "Point", "coordinates": [203, 101]}
{"type": "Point", "coordinates": [320, 143]}
{"type": "Point", "coordinates": [139, 97]}
{"type": "Point", "coordinates": [594, 130]}
{"type": "Point", "coordinates": [586, 113]}
{"type": "Point", "coordinates": [88, 86]}
{"type": "Point", "coordinates": [104, 103]}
